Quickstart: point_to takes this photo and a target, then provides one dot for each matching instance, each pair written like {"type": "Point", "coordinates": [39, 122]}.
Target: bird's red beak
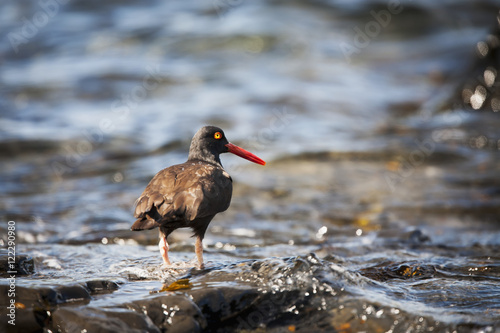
{"type": "Point", "coordinates": [245, 154]}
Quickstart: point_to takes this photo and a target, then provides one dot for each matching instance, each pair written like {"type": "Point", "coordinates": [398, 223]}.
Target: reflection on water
{"type": "Point", "coordinates": [380, 125]}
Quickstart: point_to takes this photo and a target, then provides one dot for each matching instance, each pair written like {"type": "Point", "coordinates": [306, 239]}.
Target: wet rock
{"type": "Point", "coordinates": [279, 310]}
{"type": "Point", "coordinates": [362, 316]}
{"type": "Point", "coordinates": [88, 319]}
{"type": "Point", "coordinates": [172, 313]}
{"type": "Point", "coordinates": [21, 265]}
{"type": "Point", "coordinates": [101, 286]}
{"type": "Point", "coordinates": [270, 294]}
{"type": "Point", "coordinates": [34, 305]}
{"type": "Point", "coordinates": [46, 297]}
{"type": "Point", "coordinates": [69, 294]}
{"type": "Point", "coordinates": [26, 320]}
{"type": "Point", "coordinates": [222, 304]}
{"type": "Point", "coordinates": [407, 270]}
{"type": "Point", "coordinates": [235, 309]}
{"type": "Point", "coordinates": [418, 237]}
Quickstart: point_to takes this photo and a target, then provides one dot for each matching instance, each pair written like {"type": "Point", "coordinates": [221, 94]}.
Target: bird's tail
{"type": "Point", "coordinates": [144, 223]}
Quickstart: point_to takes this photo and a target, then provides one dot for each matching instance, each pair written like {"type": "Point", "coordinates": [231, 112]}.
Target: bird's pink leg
{"type": "Point", "coordinates": [163, 245]}
{"type": "Point", "coordinates": [198, 248]}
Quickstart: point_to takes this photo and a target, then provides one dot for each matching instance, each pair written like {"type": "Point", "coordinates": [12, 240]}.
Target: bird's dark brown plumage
{"type": "Point", "coordinates": [181, 195]}
{"type": "Point", "coordinates": [189, 194]}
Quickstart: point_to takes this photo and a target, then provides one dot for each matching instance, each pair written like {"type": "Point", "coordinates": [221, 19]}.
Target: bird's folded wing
{"type": "Point", "coordinates": [185, 192]}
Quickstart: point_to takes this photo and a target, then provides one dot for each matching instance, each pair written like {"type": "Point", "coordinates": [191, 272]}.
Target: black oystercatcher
{"type": "Point", "coordinates": [192, 193]}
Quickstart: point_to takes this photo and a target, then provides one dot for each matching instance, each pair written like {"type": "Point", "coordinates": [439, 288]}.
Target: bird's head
{"type": "Point", "coordinates": [210, 141]}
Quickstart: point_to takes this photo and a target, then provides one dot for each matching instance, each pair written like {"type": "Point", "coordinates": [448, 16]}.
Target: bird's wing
{"type": "Point", "coordinates": [185, 192]}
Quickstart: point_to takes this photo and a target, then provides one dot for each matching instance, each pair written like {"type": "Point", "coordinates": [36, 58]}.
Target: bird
{"type": "Point", "coordinates": [190, 194]}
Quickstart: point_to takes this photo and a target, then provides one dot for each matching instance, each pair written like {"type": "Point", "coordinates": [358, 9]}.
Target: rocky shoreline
{"type": "Point", "coordinates": [291, 294]}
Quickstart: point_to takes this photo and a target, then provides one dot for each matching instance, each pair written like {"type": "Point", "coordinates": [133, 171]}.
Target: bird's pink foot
{"type": "Point", "coordinates": [163, 245]}
{"type": "Point", "coordinates": [198, 246]}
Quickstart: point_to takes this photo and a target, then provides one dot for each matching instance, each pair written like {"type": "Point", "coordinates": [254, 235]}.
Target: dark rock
{"type": "Point", "coordinates": [223, 303]}
{"type": "Point", "coordinates": [46, 297]}
{"type": "Point", "coordinates": [69, 294]}
{"type": "Point", "coordinates": [26, 321]}
{"type": "Point", "coordinates": [404, 271]}
{"type": "Point", "coordinates": [88, 319]}
{"type": "Point", "coordinates": [172, 313]}
{"type": "Point", "coordinates": [22, 265]}
{"type": "Point", "coordinates": [360, 316]}
{"type": "Point", "coordinates": [418, 237]}
{"type": "Point", "coordinates": [101, 286]}
{"type": "Point", "coordinates": [266, 294]}
{"type": "Point", "coordinates": [34, 305]}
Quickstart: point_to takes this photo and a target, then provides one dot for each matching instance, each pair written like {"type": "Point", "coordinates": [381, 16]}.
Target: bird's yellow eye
{"type": "Point", "coordinates": [218, 135]}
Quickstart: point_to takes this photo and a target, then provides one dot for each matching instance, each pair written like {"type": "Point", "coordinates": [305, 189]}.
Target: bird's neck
{"type": "Point", "coordinates": [204, 155]}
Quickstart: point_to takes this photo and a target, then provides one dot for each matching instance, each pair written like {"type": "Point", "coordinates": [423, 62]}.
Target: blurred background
{"type": "Point", "coordinates": [379, 121]}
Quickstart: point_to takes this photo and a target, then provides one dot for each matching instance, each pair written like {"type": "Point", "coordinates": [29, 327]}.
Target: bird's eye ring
{"type": "Point", "coordinates": [217, 135]}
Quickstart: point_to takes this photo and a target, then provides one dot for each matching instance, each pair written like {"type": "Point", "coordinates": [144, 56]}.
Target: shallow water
{"type": "Point", "coordinates": [380, 199]}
